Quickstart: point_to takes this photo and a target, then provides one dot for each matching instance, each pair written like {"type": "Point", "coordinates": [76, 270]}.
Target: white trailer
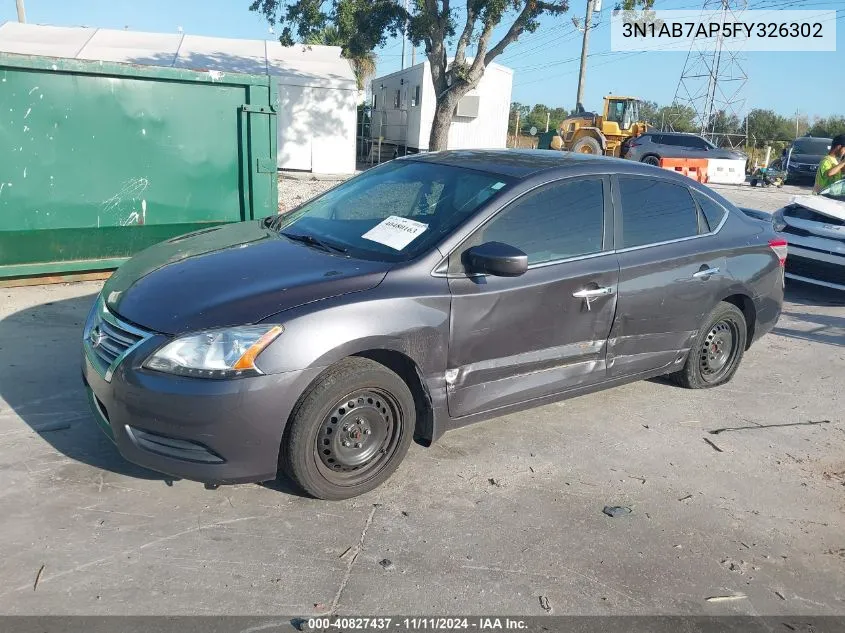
{"type": "Point", "coordinates": [403, 109]}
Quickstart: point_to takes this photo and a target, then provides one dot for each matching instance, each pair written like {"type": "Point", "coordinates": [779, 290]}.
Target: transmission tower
{"type": "Point", "coordinates": [713, 81]}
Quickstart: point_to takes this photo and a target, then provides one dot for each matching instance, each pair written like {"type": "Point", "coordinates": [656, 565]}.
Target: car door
{"type": "Point", "coordinates": [670, 271]}
{"type": "Point", "coordinates": [513, 339]}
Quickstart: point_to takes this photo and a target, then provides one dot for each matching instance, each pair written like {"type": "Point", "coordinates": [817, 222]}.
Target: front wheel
{"type": "Point", "coordinates": [349, 433]}
{"type": "Point", "coordinates": [587, 145]}
{"type": "Point", "coordinates": [652, 160]}
{"type": "Point", "coordinates": [717, 351]}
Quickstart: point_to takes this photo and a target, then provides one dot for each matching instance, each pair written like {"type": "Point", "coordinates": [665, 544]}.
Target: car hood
{"type": "Point", "coordinates": [806, 159]}
{"type": "Point", "coordinates": [230, 275]}
{"type": "Point", "coordinates": [820, 204]}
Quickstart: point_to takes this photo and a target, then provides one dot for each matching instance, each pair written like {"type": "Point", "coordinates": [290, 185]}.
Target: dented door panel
{"type": "Point", "coordinates": [515, 339]}
{"type": "Point", "coordinates": [662, 304]}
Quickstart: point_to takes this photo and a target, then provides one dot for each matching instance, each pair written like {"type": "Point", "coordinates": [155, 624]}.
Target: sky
{"type": "Point", "coordinates": [545, 63]}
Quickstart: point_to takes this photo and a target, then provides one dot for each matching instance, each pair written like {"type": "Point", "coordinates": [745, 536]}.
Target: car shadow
{"type": "Point", "coordinates": [806, 325]}
{"type": "Point", "coordinates": [41, 382]}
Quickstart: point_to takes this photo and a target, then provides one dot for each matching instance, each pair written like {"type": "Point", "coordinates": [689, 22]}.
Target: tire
{"type": "Point", "coordinates": [753, 182]}
{"type": "Point", "coordinates": [708, 366]}
{"type": "Point", "coordinates": [334, 451]}
{"type": "Point", "coordinates": [651, 160]}
{"type": "Point", "coordinates": [587, 145]}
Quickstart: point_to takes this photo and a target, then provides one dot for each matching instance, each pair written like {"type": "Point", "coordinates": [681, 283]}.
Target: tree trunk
{"type": "Point", "coordinates": [443, 113]}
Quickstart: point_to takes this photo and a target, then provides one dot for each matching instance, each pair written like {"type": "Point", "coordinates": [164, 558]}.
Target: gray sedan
{"type": "Point", "coordinates": [652, 146]}
{"type": "Point", "coordinates": [426, 294]}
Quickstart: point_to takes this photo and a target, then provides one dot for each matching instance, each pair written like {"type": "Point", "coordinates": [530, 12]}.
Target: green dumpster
{"type": "Point", "coordinates": [102, 159]}
{"type": "Point", "coordinates": [545, 140]}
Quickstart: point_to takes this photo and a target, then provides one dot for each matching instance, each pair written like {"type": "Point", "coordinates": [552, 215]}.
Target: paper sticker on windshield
{"type": "Point", "coordinates": [498, 186]}
{"type": "Point", "coordinates": [395, 232]}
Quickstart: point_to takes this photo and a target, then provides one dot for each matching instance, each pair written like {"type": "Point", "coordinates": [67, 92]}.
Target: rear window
{"type": "Point", "coordinates": [655, 211]}
{"type": "Point", "coordinates": [713, 212]}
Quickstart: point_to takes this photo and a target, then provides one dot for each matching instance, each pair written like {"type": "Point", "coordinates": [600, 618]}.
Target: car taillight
{"type": "Point", "coordinates": [779, 247]}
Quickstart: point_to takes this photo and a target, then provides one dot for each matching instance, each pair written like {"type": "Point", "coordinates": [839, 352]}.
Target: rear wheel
{"type": "Point", "coordinates": [717, 351]}
{"type": "Point", "coordinates": [587, 145]}
{"type": "Point", "coordinates": [652, 160]}
{"type": "Point", "coordinates": [349, 433]}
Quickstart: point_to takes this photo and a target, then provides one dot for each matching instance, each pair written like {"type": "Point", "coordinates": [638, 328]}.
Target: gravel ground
{"type": "Point", "coordinates": [295, 191]}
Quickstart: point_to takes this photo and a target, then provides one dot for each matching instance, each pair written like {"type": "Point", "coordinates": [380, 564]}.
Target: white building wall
{"type": "Point", "coordinates": [413, 123]}
{"type": "Point", "coordinates": [316, 129]}
{"type": "Point", "coordinates": [489, 129]}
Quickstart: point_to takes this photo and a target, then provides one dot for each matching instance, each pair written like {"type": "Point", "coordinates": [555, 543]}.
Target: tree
{"type": "Point", "coordinates": [366, 24]}
{"type": "Point", "coordinates": [363, 63]}
{"type": "Point", "coordinates": [765, 126]}
{"type": "Point", "coordinates": [678, 118]}
{"type": "Point", "coordinates": [828, 127]}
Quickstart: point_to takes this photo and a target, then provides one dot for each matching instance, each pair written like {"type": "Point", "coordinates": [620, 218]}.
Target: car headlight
{"type": "Point", "coordinates": [225, 353]}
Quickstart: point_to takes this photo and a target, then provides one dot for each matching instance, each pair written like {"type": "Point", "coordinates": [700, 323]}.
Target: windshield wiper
{"type": "Point", "coordinates": [313, 241]}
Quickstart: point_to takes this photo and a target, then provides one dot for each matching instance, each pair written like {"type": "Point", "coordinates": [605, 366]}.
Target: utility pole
{"type": "Point", "coordinates": [21, 12]}
{"type": "Point", "coordinates": [413, 55]}
{"type": "Point", "coordinates": [404, 36]}
{"type": "Point", "coordinates": [516, 131]}
{"type": "Point", "coordinates": [548, 119]}
{"type": "Point", "coordinates": [579, 99]}
{"type": "Point", "coordinates": [797, 114]}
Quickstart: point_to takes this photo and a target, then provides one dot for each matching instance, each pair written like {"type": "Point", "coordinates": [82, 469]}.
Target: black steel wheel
{"type": "Point", "coordinates": [717, 351]}
{"type": "Point", "coordinates": [350, 430]}
{"type": "Point", "coordinates": [652, 160]}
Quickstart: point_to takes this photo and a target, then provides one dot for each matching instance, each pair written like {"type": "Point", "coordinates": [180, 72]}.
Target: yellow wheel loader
{"type": "Point", "coordinates": [591, 133]}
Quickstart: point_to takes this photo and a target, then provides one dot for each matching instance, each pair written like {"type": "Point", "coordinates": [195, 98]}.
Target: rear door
{"type": "Point", "coordinates": [670, 273]}
{"type": "Point", "coordinates": [519, 338]}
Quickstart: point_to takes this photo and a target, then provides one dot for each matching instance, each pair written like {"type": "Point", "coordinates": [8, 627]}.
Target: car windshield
{"type": "Point", "coordinates": [393, 212]}
{"type": "Point", "coordinates": [836, 191]}
{"type": "Point", "coordinates": [814, 147]}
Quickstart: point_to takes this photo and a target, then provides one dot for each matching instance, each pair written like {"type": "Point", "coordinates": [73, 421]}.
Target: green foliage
{"type": "Point", "coordinates": [828, 127]}
{"type": "Point", "coordinates": [363, 63]}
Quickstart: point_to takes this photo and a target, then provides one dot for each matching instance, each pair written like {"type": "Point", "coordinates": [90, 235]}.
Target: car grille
{"type": "Point", "coordinates": [108, 339]}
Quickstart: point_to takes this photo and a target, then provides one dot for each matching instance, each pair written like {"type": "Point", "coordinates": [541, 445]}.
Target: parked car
{"type": "Point", "coordinates": [427, 293]}
{"type": "Point", "coordinates": [801, 159]}
{"type": "Point", "coordinates": [814, 225]}
{"type": "Point", "coordinates": [652, 146]}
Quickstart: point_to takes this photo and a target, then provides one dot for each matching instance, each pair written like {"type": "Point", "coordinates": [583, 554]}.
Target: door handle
{"type": "Point", "coordinates": [592, 293]}
{"type": "Point", "coordinates": [704, 274]}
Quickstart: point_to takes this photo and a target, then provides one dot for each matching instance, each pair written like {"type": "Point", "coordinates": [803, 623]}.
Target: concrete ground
{"type": "Point", "coordinates": [737, 491]}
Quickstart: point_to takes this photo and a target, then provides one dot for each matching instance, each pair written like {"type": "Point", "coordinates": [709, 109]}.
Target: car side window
{"type": "Point", "coordinates": [713, 212]}
{"type": "Point", "coordinates": [655, 211]}
{"type": "Point", "coordinates": [698, 143]}
{"type": "Point", "coordinates": [556, 221]}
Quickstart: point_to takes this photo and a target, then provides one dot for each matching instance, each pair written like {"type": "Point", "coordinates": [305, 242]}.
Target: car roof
{"type": "Point", "coordinates": [519, 163]}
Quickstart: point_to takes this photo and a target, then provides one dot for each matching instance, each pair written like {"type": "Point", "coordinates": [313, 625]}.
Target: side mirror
{"type": "Point", "coordinates": [495, 258]}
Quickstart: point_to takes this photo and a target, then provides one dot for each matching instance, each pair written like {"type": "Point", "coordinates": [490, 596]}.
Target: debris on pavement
{"type": "Point", "coordinates": [616, 511]}
{"type": "Point", "coordinates": [38, 577]}
{"type": "Point", "coordinates": [495, 482]}
{"type": "Point", "coordinates": [779, 595]}
{"type": "Point", "coordinates": [713, 445]}
{"type": "Point", "coordinates": [545, 604]}
{"type": "Point", "coordinates": [738, 596]}
{"type": "Point", "coordinates": [345, 552]}
{"type": "Point", "coordinates": [387, 564]}
{"type": "Point", "coordinates": [766, 426]}
{"type": "Point", "coordinates": [685, 498]}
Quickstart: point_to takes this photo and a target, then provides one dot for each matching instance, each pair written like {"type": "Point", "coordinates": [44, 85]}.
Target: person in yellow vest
{"type": "Point", "coordinates": [831, 168]}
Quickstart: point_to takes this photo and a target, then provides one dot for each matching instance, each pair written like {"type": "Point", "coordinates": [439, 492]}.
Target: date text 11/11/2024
{"type": "Point", "coordinates": [416, 624]}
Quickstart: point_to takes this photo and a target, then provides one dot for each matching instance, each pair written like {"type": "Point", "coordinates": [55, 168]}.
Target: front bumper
{"type": "Point", "coordinates": [816, 260]}
{"type": "Point", "coordinates": [213, 431]}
